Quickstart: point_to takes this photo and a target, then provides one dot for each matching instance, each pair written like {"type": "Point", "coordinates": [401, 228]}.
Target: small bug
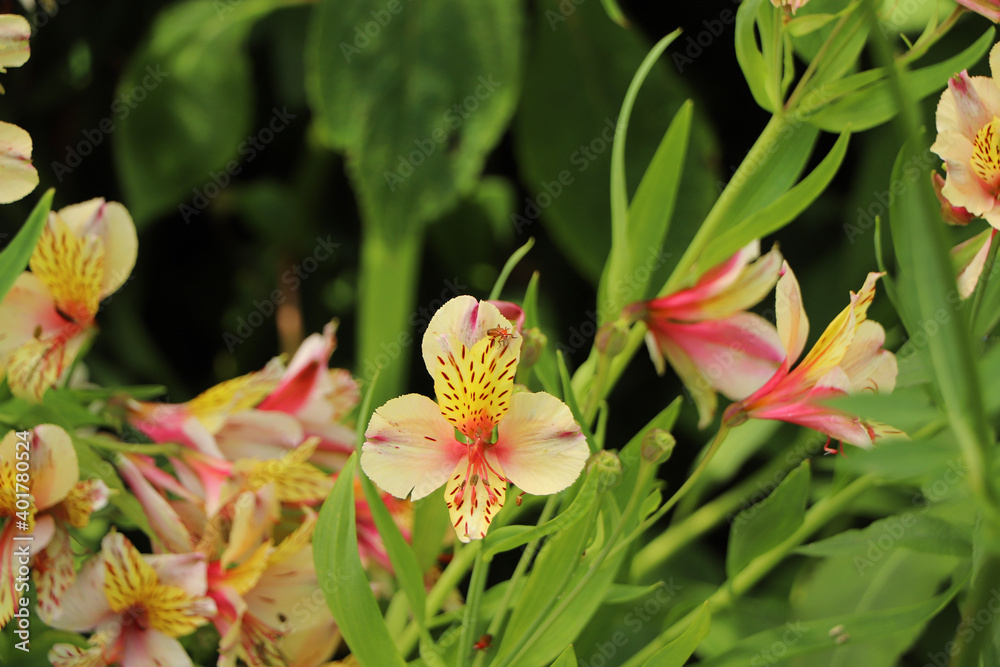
{"type": "Point", "coordinates": [500, 334]}
{"type": "Point", "coordinates": [483, 643]}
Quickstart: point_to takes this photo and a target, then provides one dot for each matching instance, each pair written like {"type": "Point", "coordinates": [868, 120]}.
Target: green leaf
{"type": "Point", "coordinates": [416, 97]}
{"type": "Point", "coordinates": [621, 593]}
{"type": "Point", "coordinates": [431, 523]}
{"type": "Point", "coordinates": [677, 652]}
{"type": "Point", "coordinates": [342, 577]}
{"type": "Point", "coordinates": [803, 25]}
{"type": "Point", "coordinates": [876, 104]}
{"type": "Point", "coordinates": [780, 212]}
{"type": "Point", "coordinates": [566, 659]}
{"type": "Point", "coordinates": [636, 248]}
{"type": "Point", "coordinates": [511, 537]}
{"type": "Point", "coordinates": [750, 58]}
{"type": "Point", "coordinates": [404, 560]}
{"type": "Point", "coordinates": [767, 524]}
{"type": "Point", "coordinates": [577, 76]}
{"type": "Point", "coordinates": [569, 396]}
{"type": "Point", "coordinates": [512, 261]}
{"type": "Point", "coordinates": [184, 107]}
{"type": "Point", "coordinates": [809, 637]}
{"type": "Point", "coordinates": [920, 532]}
{"type": "Point", "coordinates": [14, 258]}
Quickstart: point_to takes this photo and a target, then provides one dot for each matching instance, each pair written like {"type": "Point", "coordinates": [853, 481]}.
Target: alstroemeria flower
{"type": "Point", "coordinates": [707, 336]}
{"type": "Point", "coordinates": [17, 176]}
{"type": "Point", "coordinates": [57, 498]}
{"type": "Point", "coordinates": [970, 260]}
{"type": "Point", "coordinates": [988, 8]}
{"type": "Point", "coordinates": [318, 396]}
{"type": "Point", "coordinates": [266, 413]}
{"type": "Point", "coordinates": [261, 602]}
{"type": "Point", "coordinates": [137, 606]}
{"type": "Point", "coordinates": [847, 359]}
{"type": "Point", "coordinates": [85, 253]}
{"type": "Point", "coordinates": [968, 140]}
{"type": "Point", "coordinates": [528, 439]}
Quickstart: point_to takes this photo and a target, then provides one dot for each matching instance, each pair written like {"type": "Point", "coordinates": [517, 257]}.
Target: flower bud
{"type": "Point", "coordinates": [608, 467]}
{"type": "Point", "coordinates": [611, 338]}
{"type": "Point", "coordinates": [953, 215]}
{"type": "Point", "coordinates": [532, 346]}
{"type": "Point", "coordinates": [658, 445]}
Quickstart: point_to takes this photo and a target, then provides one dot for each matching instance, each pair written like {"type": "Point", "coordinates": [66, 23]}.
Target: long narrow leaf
{"type": "Point", "coordinates": [342, 577]}
{"type": "Point", "coordinates": [15, 256]}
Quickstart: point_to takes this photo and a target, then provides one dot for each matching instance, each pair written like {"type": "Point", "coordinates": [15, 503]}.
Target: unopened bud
{"type": "Point", "coordinates": [611, 338]}
{"type": "Point", "coordinates": [532, 346]}
{"type": "Point", "coordinates": [608, 468]}
{"type": "Point", "coordinates": [658, 445]}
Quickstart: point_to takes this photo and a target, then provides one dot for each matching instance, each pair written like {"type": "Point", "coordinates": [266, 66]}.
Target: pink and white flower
{"type": "Point", "coordinates": [847, 359]}
{"type": "Point", "coordinates": [706, 335]}
{"type": "Point", "coordinates": [529, 439]}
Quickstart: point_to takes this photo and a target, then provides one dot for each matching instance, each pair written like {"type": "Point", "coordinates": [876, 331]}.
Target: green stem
{"type": "Point", "coordinates": [472, 600]}
{"type": "Point", "coordinates": [705, 518]}
{"type": "Point", "coordinates": [720, 214]}
{"type": "Point", "coordinates": [552, 613]}
{"type": "Point", "coordinates": [458, 567]}
{"type": "Point", "coordinates": [921, 47]}
{"type": "Point", "coordinates": [822, 512]}
{"type": "Point", "coordinates": [596, 393]}
{"type": "Point", "coordinates": [801, 86]}
{"type": "Point", "coordinates": [968, 647]}
{"type": "Point", "coordinates": [717, 441]}
{"type": "Point", "coordinates": [387, 292]}
{"type": "Point", "coordinates": [498, 620]}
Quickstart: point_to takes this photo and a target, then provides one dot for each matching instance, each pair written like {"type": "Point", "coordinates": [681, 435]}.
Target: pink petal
{"type": "Point", "coordinates": [256, 434]}
{"type": "Point", "coordinates": [694, 380]}
{"type": "Point", "coordinates": [951, 214]}
{"type": "Point", "coordinates": [151, 648]}
{"type": "Point", "coordinates": [189, 572]}
{"type": "Point", "coordinates": [735, 355]}
{"type": "Point", "coordinates": [968, 104]}
{"type": "Point", "coordinates": [511, 311]}
{"type": "Point", "coordinates": [301, 379]}
{"type": "Point", "coordinates": [717, 280]}
{"type": "Point", "coordinates": [410, 449]}
{"type": "Point", "coordinates": [28, 307]}
{"type": "Point", "coordinates": [462, 321]}
{"type": "Point", "coordinates": [539, 444]}
{"type": "Point", "coordinates": [866, 364]}
{"type": "Point", "coordinates": [17, 176]}
{"type": "Point", "coordinates": [793, 325]}
{"type": "Point", "coordinates": [968, 275]}
{"type": "Point", "coordinates": [987, 8]}
{"type": "Point", "coordinates": [162, 517]}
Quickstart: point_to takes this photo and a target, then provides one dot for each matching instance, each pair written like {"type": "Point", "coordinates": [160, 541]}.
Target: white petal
{"type": "Point", "coordinates": [410, 447]}
{"type": "Point", "coordinates": [539, 444]}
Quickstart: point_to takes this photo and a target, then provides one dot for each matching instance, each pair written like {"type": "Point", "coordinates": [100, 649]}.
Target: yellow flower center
{"type": "Point", "coordinates": [986, 154]}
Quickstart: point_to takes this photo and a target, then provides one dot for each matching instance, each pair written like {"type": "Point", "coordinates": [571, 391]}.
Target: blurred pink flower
{"type": "Point", "coordinates": [706, 335]}
{"type": "Point", "coordinates": [848, 358]}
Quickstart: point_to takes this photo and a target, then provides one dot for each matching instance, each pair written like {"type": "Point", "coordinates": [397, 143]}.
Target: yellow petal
{"type": "Point", "coordinates": [474, 385]}
{"type": "Point", "coordinates": [71, 267]}
{"type": "Point", "coordinates": [242, 393]}
{"type": "Point", "coordinates": [128, 579]}
{"type": "Point", "coordinates": [17, 176]}
{"type": "Point", "coordinates": [112, 224]}
{"type": "Point", "coordinates": [474, 500]}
